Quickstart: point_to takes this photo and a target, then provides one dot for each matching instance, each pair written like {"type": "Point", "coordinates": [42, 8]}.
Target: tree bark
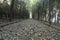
{"type": "Point", "coordinates": [11, 10]}
{"type": "Point", "coordinates": [49, 12]}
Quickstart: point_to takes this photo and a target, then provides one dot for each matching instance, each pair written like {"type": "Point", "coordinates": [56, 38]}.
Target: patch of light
{"type": "Point", "coordinates": [53, 20]}
{"type": "Point", "coordinates": [31, 1]}
{"type": "Point", "coordinates": [59, 21]}
{"type": "Point", "coordinates": [9, 2]}
{"type": "Point", "coordinates": [1, 1]}
{"type": "Point", "coordinates": [57, 14]}
{"type": "Point", "coordinates": [30, 15]}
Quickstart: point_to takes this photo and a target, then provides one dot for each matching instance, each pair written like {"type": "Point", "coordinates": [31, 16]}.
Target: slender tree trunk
{"type": "Point", "coordinates": [49, 12]}
{"type": "Point", "coordinates": [11, 10]}
{"type": "Point", "coordinates": [38, 15]}
{"type": "Point", "coordinates": [0, 15]}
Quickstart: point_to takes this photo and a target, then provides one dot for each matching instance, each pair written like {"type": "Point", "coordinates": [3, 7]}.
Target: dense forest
{"type": "Point", "coordinates": [29, 19]}
{"type": "Point", "coordinates": [46, 10]}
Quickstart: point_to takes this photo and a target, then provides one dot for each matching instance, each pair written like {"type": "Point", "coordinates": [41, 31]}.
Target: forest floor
{"type": "Point", "coordinates": [4, 22]}
{"type": "Point", "coordinates": [29, 29]}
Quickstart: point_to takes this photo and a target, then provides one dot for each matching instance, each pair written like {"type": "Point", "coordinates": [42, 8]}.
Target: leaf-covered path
{"type": "Point", "coordinates": [29, 30]}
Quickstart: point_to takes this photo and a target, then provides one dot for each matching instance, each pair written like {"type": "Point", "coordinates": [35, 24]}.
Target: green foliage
{"type": "Point", "coordinates": [30, 3]}
{"type": "Point", "coordinates": [4, 7]}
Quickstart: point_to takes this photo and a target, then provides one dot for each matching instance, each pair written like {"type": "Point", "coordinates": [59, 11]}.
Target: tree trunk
{"type": "Point", "coordinates": [11, 10]}
{"type": "Point", "coordinates": [49, 12]}
{"type": "Point", "coordinates": [38, 15]}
